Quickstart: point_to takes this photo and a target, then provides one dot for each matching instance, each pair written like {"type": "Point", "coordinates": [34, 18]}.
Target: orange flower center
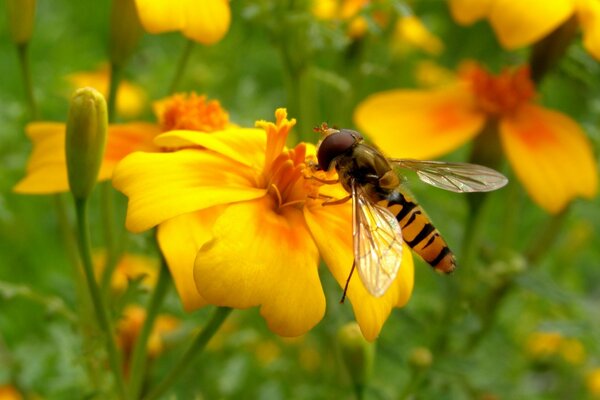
{"type": "Point", "coordinates": [191, 112]}
{"type": "Point", "coordinates": [501, 94]}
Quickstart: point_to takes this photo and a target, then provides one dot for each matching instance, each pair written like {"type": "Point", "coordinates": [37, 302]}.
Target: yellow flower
{"type": "Point", "coordinates": [129, 267]}
{"type": "Point", "coordinates": [241, 226]}
{"type": "Point", "coordinates": [521, 23]}
{"type": "Point", "coordinates": [205, 22]}
{"type": "Point", "coordinates": [548, 151]}
{"type": "Point", "coordinates": [130, 97]}
{"type": "Point", "coordinates": [410, 33]}
{"type": "Point", "coordinates": [547, 344]}
{"type": "Point", "coordinates": [592, 382]}
{"type": "Point", "coordinates": [8, 392]}
{"type": "Point", "coordinates": [47, 170]}
{"type": "Point", "coordinates": [349, 13]}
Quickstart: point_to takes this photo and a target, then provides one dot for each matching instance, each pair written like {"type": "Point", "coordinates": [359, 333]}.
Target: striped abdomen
{"type": "Point", "coordinates": [419, 233]}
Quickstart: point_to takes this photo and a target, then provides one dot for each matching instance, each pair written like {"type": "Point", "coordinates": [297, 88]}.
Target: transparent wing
{"type": "Point", "coordinates": [377, 243]}
{"type": "Point", "coordinates": [456, 177]}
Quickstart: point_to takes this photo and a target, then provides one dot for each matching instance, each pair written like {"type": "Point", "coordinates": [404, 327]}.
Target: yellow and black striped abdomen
{"type": "Point", "coordinates": [419, 233]}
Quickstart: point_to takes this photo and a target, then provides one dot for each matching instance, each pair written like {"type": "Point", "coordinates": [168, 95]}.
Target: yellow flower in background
{"type": "Point", "coordinates": [47, 169]}
{"type": "Point", "coordinates": [205, 22]}
{"type": "Point", "coordinates": [241, 226]}
{"type": "Point", "coordinates": [521, 23]}
{"type": "Point", "coordinates": [8, 392]}
{"type": "Point", "coordinates": [129, 267]}
{"type": "Point", "coordinates": [347, 12]}
{"type": "Point", "coordinates": [542, 345]}
{"type": "Point", "coordinates": [131, 98]}
{"type": "Point", "coordinates": [548, 151]}
{"type": "Point", "coordinates": [592, 382]}
{"type": "Point", "coordinates": [410, 33]}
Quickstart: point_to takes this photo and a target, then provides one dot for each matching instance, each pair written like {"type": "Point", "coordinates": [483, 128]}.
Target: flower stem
{"type": "Point", "coordinates": [140, 351]}
{"type": "Point", "coordinates": [181, 65]}
{"type": "Point", "coordinates": [27, 83]}
{"type": "Point", "coordinates": [107, 210]}
{"type": "Point", "coordinates": [102, 315]}
{"type": "Point", "coordinates": [217, 319]}
{"type": "Point", "coordinates": [113, 90]}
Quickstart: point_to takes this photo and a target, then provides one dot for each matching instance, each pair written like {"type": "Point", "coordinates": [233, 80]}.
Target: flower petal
{"type": "Point", "coordinates": [589, 17]}
{"type": "Point", "coordinates": [240, 144]}
{"type": "Point", "coordinates": [179, 239]}
{"type": "Point", "coordinates": [205, 23]}
{"type": "Point", "coordinates": [331, 227]}
{"type": "Point", "coordinates": [466, 12]}
{"type": "Point", "coordinates": [551, 156]}
{"type": "Point", "coordinates": [521, 23]}
{"type": "Point", "coordinates": [419, 123]}
{"type": "Point", "coordinates": [260, 257]}
{"type": "Point", "coordinates": [161, 186]}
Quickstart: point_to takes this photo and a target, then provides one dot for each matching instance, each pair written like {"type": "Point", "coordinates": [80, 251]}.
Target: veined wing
{"type": "Point", "coordinates": [377, 243]}
{"type": "Point", "coordinates": [454, 176]}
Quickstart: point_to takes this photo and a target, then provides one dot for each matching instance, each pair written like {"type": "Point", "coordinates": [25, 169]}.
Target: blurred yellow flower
{"type": "Point", "coordinates": [572, 351]}
{"type": "Point", "coordinates": [521, 23]}
{"type": "Point", "coordinates": [592, 382]}
{"type": "Point", "coordinates": [548, 151]}
{"type": "Point", "coordinates": [131, 98]}
{"type": "Point", "coordinates": [8, 392]}
{"type": "Point", "coordinates": [347, 12]}
{"type": "Point", "coordinates": [410, 33]}
{"type": "Point", "coordinates": [542, 345]}
{"type": "Point", "coordinates": [47, 170]}
{"type": "Point", "coordinates": [241, 226]}
{"type": "Point", "coordinates": [205, 22]}
{"type": "Point", "coordinates": [129, 267]}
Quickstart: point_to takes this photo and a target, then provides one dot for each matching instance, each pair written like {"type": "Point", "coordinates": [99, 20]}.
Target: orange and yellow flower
{"type": "Point", "coordinates": [47, 169]}
{"type": "Point", "coordinates": [129, 267]}
{"type": "Point", "coordinates": [548, 151]}
{"type": "Point", "coordinates": [521, 23]}
{"type": "Point", "coordinates": [205, 22]}
{"type": "Point", "coordinates": [242, 225]}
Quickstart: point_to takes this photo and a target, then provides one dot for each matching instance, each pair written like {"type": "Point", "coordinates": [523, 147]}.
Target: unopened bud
{"type": "Point", "coordinates": [420, 357]}
{"type": "Point", "coordinates": [20, 19]}
{"type": "Point", "coordinates": [357, 353]}
{"type": "Point", "coordinates": [87, 124]}
{"type": "Point", "coordinates": [125, 30]}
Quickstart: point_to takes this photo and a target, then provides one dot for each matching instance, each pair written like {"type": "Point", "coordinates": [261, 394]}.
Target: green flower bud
{"type": "Point", "coordinates": [357, 354]}
{"type": "Point", "coordinates": [20, 19]}
{"type": "Point", "coordinates": [420, 357]}
{"type": "Point", "coordinates": [87, 124]}
{"type": "Point", "coordinates": [125, 30]}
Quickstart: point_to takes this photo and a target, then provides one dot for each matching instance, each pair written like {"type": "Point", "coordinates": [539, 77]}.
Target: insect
{"type": "Point", "coordinates": [383, 215]}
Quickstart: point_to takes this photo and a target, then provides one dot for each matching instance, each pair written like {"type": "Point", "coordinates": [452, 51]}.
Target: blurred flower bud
{"type": "Point", "coordinates": [20, 19]}
{"type": "Point", "coordinates": [125, 30]}
{"type": "Point", "coordinates": [87, 124]}
{"type": "Point", "coordinates": [357, 354]}
{"type": "Point", "coordinates": [420, 357]}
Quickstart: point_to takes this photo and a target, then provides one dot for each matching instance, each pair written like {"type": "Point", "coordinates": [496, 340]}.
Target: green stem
{"type": "Point", "coordinates": [545, 240]}
{"type": "Point", "coordinates": [27, 82]}
{"type": "Point", "coordinates": [107, 210]}
{"type": "Point", "coordinates": [181, 65]}
{"type": "Point", "coordinates": [414, 381]}
{"type": "Point", "coordinates": [197, 346]}
{"type": "Point", "coordinates": [102, 315]}
{"type": "Point", "coordinates": [140, 351]}
{"type": "Point", "coordinates": [113, 90]}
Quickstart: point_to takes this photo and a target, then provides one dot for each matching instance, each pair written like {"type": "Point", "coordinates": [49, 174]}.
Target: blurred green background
{"type": "Point", "coordinates": [479, 343]}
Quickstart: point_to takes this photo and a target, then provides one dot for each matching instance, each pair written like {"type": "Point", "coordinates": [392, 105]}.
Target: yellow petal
{"type": "Point", "coordinates": [466, 12]}
{"type": "Point", "coordinates": [588, 13]}
{"type": "Point", "coordinates": [47, 168]}
{"type": "Point", "coordinates": [244, 145]}
{"type": "Point", "coordinates": [161, 186]}
{"type": "Point", "coordinates": [260, 257]}
{"type": "Point", "coordinates": [331, 227]}
{"type": "Point", "coordinates": [179, 239]}
{"type": "Point", "coordinates": [551, 156]}
{"type": "Point", "coordinates": [521, 23]}
{"type": "Point", "coordinates": [205, 22]}
{"type": "Point", "coordinates": [419, 123]}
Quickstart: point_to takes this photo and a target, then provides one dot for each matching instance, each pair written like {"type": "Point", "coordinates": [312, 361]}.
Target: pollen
{"type": "Point", "coordinates": [501, 94]}
{"type": "Point", "coordinates": [191, 112]}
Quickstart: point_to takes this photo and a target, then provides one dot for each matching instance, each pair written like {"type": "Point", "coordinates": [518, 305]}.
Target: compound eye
{"type": "Point", "coordinates": [334, 145]}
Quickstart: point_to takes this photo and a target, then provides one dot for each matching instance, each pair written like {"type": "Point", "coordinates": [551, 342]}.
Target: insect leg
{"type": "Point", "coordinates": [347, 282]}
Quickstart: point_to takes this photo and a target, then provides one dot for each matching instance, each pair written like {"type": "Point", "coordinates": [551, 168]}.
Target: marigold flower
{"type": "Point", "coordinates": [548, 151]}
{"type": "Point", "coordinates": [347, 12]}
{"type": "Point", "coordinates": [592, 382]}
{"type": "Point", "coordinates": [241, 225]}
{"type": "Point", "coordinates": [410, 32]}
{"type": "Point", "coordinates": [8, 392]}
{"type": "Point", "coordinates": [519, 24]}
{"type": "Point", "coordinates": [546, 344]}
{"type": "Point", "coordinates": [206, 22]}
{"type": "Point", "coordinates": [46, 168]}
{"type": "Point", "coordinates": [129, 267]}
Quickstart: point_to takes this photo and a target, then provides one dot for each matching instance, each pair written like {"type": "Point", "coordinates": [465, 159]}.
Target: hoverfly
{"type": "Point", "coordinates": [383, 215]}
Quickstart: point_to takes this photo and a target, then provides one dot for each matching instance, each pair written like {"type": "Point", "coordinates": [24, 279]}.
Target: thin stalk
{"type": "Point", "coordinates": [544, 241]}
{"type": "Point", "coordinates": [181, 65]}
{"type": "Point", "coordinates": [140, 350]}
{"type": "Point", "coordinates": [27, 82]}
{"type": "Point", "coordinates": [113, 90]}
{"type": "Point", "coordinates": [102, 315]}
{"type": "Point", "coordinates": [199, 343]}
{"type": "Point", "coordinates": [107, 210]}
